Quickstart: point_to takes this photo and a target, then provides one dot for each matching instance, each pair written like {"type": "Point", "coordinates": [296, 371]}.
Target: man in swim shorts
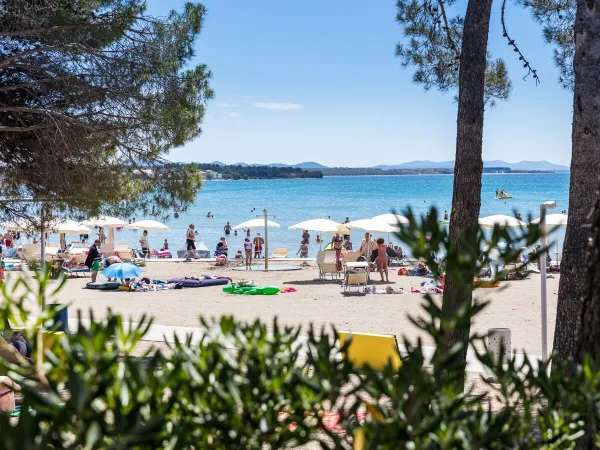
{"type": "Point", "coordinates": [258, 245]}
{"type": "Point", "coordinates": [190, 242]}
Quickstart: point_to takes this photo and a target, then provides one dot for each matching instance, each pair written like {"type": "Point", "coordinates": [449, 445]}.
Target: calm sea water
{"type": "Point", "coordinates": [293, 201]}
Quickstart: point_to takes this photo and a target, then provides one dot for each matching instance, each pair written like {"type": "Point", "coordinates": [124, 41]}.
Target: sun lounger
{"type": "Point", "coordinates": [280, 253]}
{"type": "Point", "coordinates": [357, 278]}
{"type": "Point", "coordinates": [31, 252]}
{"type": "Point", "coordinates": [107, 249]}
{"type": "Point", "coordinates": [123, 251]}
{"type": "Point", "coordinates": [76, 271]}
{"type": "Point", "coordinates": [351, 262]}
{"type": "Point", "coordinates": [376, 350]}
{"type": "Point", "coordinates": [51, 252]}
{"type": "Point", "coordinates": [327, 264]}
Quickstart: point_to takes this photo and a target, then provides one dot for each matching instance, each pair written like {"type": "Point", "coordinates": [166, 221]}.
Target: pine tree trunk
{"type": "Point", "coordinates": [589, 328]}
{"type": "Point", "coordinates": [468, 166]}
{"type": "Point", "coordinates": [585, 170]}
{"type": "Point", "coordinates": [588, 337]}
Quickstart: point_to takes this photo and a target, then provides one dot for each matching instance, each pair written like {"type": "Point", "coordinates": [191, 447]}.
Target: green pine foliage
{"type": "Point", "coordinates": [94, 94]}
{"type": "Point", "coordinates": [254, 386]}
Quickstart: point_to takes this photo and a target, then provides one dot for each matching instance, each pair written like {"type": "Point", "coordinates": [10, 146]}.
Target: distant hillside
{"type": "Point", "coordinates": [538, 165]}
{"type": "Point", "coordinates": [418, 165]}
{"type": "Point", "coordinates": [310, 165]}
{"type": "Point", "coordinates": [521, 165]}
{"type": "Point", "coordinates": [247, 172]}
{"type": "Point", "coordinates": [303, 165]}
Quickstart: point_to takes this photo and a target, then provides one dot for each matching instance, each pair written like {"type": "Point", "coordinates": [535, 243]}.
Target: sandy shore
{"type": "Point", "coordinates": [515, 305]}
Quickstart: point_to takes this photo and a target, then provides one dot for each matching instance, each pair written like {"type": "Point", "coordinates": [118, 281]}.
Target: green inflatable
{"type": "Point", "coordinates": [251, 290]}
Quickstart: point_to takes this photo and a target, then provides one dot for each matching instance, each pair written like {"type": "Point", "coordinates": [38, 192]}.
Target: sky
{"type": "Point", "coordinates": [318, 80]}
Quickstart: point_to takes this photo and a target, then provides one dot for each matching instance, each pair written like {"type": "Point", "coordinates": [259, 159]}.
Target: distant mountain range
{"type": "Point", "coordinates": [521, 165]}
{"type": "Point", "coordinates": [425, 164]}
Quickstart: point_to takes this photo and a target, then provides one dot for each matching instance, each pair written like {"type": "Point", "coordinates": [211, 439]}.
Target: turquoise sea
{"type": "Point", "coordinates": [293, 201]}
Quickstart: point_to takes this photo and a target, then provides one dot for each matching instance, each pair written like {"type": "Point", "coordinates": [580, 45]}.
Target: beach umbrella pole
{"type": "Point", "coordinates": [266, 243]}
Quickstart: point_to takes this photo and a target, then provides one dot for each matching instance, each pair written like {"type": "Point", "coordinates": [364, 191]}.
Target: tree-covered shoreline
{"type": "Point", "coordinates": [234, 172]}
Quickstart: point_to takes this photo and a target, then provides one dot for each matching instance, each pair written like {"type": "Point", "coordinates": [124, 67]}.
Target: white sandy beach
{"type": "Point", "coordinates": [516, 304]}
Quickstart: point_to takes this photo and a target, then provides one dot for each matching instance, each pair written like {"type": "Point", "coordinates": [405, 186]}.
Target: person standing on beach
{"type": "Point", "coordinates": [8, 238]}
{"type": "Point", "coordinates": [225, 246]}
{"type": "Point", "coordinates": [347, 236]}
{"type": "Point", "coordinates": [258, 245]}
{"type": "Point", "coordinates": [144, 243]}
{"type": "Point", "coordinates": [382, 259]}
{"type": "Point", "coordinates": [248, 251]}
{"type": "Point", "coordinates": [303, 249]}
{"type": "Point", "coordinates": [190, 242]}
{"type": "Point", "coordinates": [92, 261]}
{"type": "Point", "coordinates": [367, 246]}
{"type": "Point", "coordinates": [305, 236]}
{"type": "Point", "coordinates": [227, 229]}
{"type": "Point", "coordinates": [337, 246]}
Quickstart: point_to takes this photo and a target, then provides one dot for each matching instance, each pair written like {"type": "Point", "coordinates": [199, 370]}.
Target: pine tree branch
{"type": "Point", "coordinates": [447, 28]}
{"type": "Point", "coordinates": [512, 43]}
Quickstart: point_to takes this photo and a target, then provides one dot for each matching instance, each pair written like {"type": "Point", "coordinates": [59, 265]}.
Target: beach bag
{"type": "Point", "coordinates": [402, 271]}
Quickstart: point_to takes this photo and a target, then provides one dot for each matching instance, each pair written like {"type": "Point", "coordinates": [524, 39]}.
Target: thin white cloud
{"type": "Point", "coordinates": [226, 105]}
{"type": "Point", "coordinates": [232, 115]}
{"type": "Point", "coordinates": [247, 98]}
{"type": "Point", "coordinates": [273, 106]}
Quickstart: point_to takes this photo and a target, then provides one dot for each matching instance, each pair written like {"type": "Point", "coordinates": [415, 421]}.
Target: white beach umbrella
{"type": "Point", "coordinates": [372, 225]}
{"type": "Point", "coordinates": [256, 223]}
{"type": "Point", "coordinates": [322, 226]}
{"type": "Point", "coordinates": [17, 225]}
{"type": "Point", "coordinates": [391, 219]}
{"type": "Point", "coordinates": [67, 226]}
{"type": "Point", "coordinates": [501, 220]}
{"type": "Point", "coordinates": [554, 220]}
{"type": "Point", "coordinates": [147, 225]}
{"type": "Point", "coordinates": [104, 222]}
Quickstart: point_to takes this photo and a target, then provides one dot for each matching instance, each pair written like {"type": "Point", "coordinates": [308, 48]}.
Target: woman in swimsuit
{"type": "Point", "coordinates": [303, 249]}
{"type": "Point", "coordinates": [382, 259]}
{"type": "Point", "coordinates": [337, 245]}
{"type": "Point", "coordinates": [248, 251]}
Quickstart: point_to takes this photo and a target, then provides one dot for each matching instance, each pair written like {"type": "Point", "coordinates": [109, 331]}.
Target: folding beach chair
{"type": "Point", "coordinates": [357, 278]}
{"type": "Point", "coordinates": [327, 264]}
{"type": "Point", "coordinates": [376, 350]}
{"type": "Point", "coordinates": [123, 251]}
{"type": "Point", "coordinates": [107, 249]}
{"type": "Point", "coordinates": [280, 253]}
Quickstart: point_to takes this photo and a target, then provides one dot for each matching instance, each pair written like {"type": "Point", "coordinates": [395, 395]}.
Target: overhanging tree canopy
{"type": "Point", "coordinates": [93, 94]}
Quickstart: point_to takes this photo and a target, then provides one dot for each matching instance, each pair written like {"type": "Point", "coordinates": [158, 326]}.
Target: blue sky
{"type": "Point", "coordinates": [318, 80]}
